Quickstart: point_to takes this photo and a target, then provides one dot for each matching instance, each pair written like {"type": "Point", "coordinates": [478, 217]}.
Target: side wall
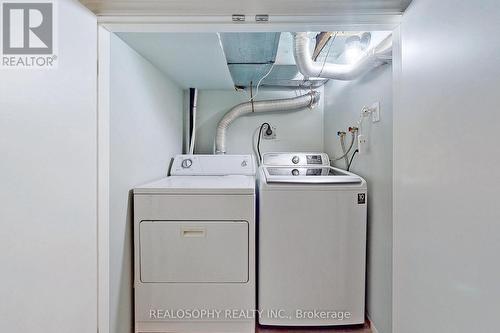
{"type": "Point", "coordinates": [342, 109]}
{"type": "Point", "coordinates": [296, 131]}
{"type": "Point", "coordinates": [145, 133]}
{"type": "Point", "coordinates": [48, 177]}
{"type": "Point", "coordinates": [446, 212]}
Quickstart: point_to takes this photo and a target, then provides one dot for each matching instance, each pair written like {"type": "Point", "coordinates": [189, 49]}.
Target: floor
{"type": "Point", "coordinates": [365, 328]}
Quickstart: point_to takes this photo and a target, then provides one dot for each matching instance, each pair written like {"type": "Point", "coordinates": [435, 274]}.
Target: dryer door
{"type": "Point", "coordinates": [194, 251]}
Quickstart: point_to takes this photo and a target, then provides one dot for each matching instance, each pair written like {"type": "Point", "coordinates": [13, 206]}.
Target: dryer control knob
{"type": "Point", "coordinates": [295, 159]}
{"type": "Point", "coordinates": [186, 163]}
{"type": "Point", "coordinates": [295, 172]}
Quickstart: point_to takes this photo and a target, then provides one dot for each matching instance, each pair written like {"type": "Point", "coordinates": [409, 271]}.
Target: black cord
{"type": "Point", "coordinates": [258, 139]}
{"type": "Point", "coordinates": [352, 157]}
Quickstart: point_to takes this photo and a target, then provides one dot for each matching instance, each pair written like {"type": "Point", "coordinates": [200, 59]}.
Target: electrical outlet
{"type": "Point", "coordinates": [267, 136]}
{"type": "Point", "coordinates": [375, 111]}
{"type": "Point", "coordinates": [362, 142]}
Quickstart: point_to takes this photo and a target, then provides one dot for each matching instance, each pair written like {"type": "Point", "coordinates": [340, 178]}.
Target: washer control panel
{"type": "Point", "coordinates": [314, 159]}
{"type": "Point", "coordinates": [213, 165]}
{"type": "Point", "coordinates": [296, 159]}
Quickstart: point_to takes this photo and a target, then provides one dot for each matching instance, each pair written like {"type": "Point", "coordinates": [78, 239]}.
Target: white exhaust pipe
{"type": "Point", "coordinates": [376, 56]}
{"type": "Point", "coordinates": [288, 104]}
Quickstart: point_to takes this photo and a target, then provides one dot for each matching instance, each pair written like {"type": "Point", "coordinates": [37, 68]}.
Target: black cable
{"type": "Point", "coordinates": [258, 139]}
{"type": "Point", "coordinates": [352, 157]}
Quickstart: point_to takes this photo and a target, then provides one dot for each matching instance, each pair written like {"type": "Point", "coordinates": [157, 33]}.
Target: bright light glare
{"type": "Point", "coordinates": [353, 50]}
{"type": "Point", "coordinates": [352, 54]}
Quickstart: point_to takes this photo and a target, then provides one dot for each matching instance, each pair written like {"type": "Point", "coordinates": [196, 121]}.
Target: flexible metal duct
{"type": "Point", "coordinates": [288, 104]}
{"type": "Point", "coordinates": [374, 57]}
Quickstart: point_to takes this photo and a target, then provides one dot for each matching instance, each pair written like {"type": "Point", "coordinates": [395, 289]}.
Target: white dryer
{"type": "Point", "coordinates": [311, 243]}
{"type": "Point", "coordinates": [194, 236]}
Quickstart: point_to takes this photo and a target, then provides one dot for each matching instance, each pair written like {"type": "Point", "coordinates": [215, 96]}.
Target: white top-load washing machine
{"type": "Point", "coordinates": [194, 236]}
{"type": "Point", "coordinates": [311, 242]}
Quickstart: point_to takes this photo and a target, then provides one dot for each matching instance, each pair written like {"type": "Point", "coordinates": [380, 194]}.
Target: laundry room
{"type": "Point", "coordinates": [171, 98]}
{"type": "Point", "coordinates": [277, 166]}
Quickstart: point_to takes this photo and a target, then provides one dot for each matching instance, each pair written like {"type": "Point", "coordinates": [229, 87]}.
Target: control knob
{"type": "Point", "coordinates": [295, 159]}
{"type": "Point", "coordinates": [186, 163]}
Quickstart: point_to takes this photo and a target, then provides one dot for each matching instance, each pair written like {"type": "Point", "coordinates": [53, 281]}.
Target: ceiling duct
{"type": "Point", "coordinates": [249, 56]}
{"type": "Point", "coordinates": [376, 56]}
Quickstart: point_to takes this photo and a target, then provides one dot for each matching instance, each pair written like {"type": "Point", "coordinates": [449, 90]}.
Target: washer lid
{"type": "Point", "coordinates": [310, 175]}
{"type": "Point", "coordinates": [231, 184]}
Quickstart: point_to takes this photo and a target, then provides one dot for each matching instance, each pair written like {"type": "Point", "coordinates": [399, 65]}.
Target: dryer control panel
{"type": "Point", "coordinates": [213, 165]}
{"type": "Point", "coordinates": [296, 159]}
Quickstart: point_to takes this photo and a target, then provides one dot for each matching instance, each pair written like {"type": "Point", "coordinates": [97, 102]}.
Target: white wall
{"type": "Point", "coordinates": [342, 109]}
{"type": "Point", "coordinates": [145, 133]}
{"type": "Point", "coordinates": [446, 215]}
{"type": "Point", "coordinates": [48, 187]}
{"type": "Point", "coordinates": [296, 131]}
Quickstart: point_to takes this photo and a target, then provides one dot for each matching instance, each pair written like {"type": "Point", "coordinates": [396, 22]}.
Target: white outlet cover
{"type": "Point", "coordinates": [269, 137]}
{"type": "Point", "coordinates": [362, 142]}
{"type": "Point", "coordinates": [375, 108]}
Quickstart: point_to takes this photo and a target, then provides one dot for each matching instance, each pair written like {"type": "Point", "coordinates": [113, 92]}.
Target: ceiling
{"type": "Point", "coordinates": [193, 60]}
{"type": "Point", "coordinates": [248, 7]}
{"type": "Point", "coordinates": [203, 61]}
